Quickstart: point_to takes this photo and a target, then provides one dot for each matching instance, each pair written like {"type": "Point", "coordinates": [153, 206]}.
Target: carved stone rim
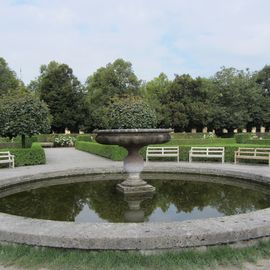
{"type": "Point", "coordinates": [135, 130]}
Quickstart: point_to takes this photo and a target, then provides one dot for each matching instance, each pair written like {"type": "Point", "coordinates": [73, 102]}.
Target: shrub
{"type": "Point", "coordinates": [64, 141]}
{"type": "Point", "coordinates": [265, 142]}
{"type": "Point", "coordinates": [129, 112]}
{"type": "Point", "coordinates": [112, 152]}
{"type": "Point", "coordinates": [85, 138]}
{"type": "Point", "coordinates": [118, 153]}
{"type": "Point", "coordinates": [28, 156]}
{"type": "Point", "coordinates": [16, 142]}
{"type": "Point", "coordinates": [242, 137]}
{"type": "Point", "coordinates": [187, 135]}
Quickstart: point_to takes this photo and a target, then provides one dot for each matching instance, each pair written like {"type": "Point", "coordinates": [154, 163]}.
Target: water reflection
{"type": "Point", "coordinates": [98, 201]}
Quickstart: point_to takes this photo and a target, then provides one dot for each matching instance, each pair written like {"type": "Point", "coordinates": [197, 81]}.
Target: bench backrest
{"type": "Point", "coordinates": [170, 150]}
{"type": "Point", "coordinates": [5, 155]}
{"type": "Point", "coordinates": [254, 151]}
{"type": "Point", "coordinates": [207, 150]}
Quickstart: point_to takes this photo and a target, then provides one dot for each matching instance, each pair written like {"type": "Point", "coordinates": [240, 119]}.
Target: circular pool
{"type": "Point", "coordinates": [81, 209]}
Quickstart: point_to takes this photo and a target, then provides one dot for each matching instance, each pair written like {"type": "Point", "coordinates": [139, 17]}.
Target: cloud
{"type": "Point", "coordinates": [175, 36]}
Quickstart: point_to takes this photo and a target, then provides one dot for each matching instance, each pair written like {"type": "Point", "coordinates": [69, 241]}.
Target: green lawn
{"type": "Point", "coordinates": [50, 258]}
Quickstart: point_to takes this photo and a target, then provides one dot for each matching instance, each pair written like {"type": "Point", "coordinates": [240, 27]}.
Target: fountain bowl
{"type": "Point", "coordinates": [133, 140]}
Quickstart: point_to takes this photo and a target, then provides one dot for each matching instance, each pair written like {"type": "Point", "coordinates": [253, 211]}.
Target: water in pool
{"type": "Point", "coordinates": [177, 198]}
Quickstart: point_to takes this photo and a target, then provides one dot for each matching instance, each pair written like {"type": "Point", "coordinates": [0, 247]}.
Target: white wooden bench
{"type": "Point", "coordinates": [206, 152]}
{"type": "Point", "coordinates": [168, 151]}
{"type": "Point", "coordinates": [252, 153]}
{"type": "Point", "coordinates": [7, 158]}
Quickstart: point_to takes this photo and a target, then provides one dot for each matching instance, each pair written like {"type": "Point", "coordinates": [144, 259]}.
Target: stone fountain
{"type": "Point", "coordinates": [133, 140]}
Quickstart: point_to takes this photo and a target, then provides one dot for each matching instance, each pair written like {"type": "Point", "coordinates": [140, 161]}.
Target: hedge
{"type": "Point", "coordinates": [251, 138]}
{"type": "Point", "coordinates": [84, 138]}
{"type": "Point", "coordinates": [197, 141]}
{"type": "Point", "coordinates": [16, 142]}
{"type": "Point", "coordinates": [265, 142]}
{"type": "Point", "coordinates": [117, 153]}
{"type": "Point", "coordinates": [242, 137]}
{"type": "Point", "coordinates": [28, 156]}
{"type": "Point", "coordinates": [112, 152]}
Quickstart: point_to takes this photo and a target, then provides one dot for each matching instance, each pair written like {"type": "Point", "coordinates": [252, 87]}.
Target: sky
{"type": "Point", "coordinates": [173, 36]}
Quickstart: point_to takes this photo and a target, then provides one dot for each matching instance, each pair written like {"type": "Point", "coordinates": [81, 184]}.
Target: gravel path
{"type": "Point", "coordinates": [67, 158]}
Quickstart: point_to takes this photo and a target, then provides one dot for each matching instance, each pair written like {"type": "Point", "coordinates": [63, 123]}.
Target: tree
{"type": "Point", "coordinates": [64, 95]}
{"type": "Point", "coordinates": [186, 103]}
{"type": "Point", "coordinates": [9, 84]}
{"type": "Point", "coordinates": [115, 80]}
{"type": "Point", "coordinates": [263, 78]}
{"type": "Point", "coordinates": [154, 92]}
{"type": "Point", "coordinates": [235, 100]}
{"type": "Point", "coordinates": [23, 115]}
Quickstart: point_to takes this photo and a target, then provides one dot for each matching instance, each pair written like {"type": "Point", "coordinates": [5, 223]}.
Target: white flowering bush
{"type": "Point", "coordinates": [64, 141]}
{"type": "Point", "coordinates": [210, 135]}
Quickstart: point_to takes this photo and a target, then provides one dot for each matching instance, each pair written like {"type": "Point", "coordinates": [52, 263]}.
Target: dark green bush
{"type": "Point", "coordinates": [188, 135]}
{"type": "Point", "coordinates": [242, 137]}
{"type": "Point", "coordinates": [265, 142]}
{"type": "Point", "coordinates": [118, 153]}
{"type": "Point", "coordinates": [28, 156]}
{"type": "Point", "coordinates": [112, 152]}
{"type": "Point", "coordinates": [199, 141]}
{"type": "Point", "coordinates": [85, 138]}
{"type": "Point", "coordinates": [16, 142]}
{"type": "Point", "coordinates": [10, 145]}
{"type": "Point", "coordinates": [127, 113]}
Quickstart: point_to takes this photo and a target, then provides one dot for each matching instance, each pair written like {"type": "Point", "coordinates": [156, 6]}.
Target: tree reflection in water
{"type": "Point", "coordinates": [65, 202]}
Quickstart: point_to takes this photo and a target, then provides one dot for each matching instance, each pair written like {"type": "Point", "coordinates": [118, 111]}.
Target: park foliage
{"type": "Point", "coordinates": [230, 98]}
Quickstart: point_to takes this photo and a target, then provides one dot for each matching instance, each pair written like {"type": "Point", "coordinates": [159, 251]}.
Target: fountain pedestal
{"type": "Point", "coordinates": [133, 140]}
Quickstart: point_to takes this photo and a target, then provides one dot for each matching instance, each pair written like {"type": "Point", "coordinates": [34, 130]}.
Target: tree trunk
{"type": "Point", "coordinates": [23, 141]}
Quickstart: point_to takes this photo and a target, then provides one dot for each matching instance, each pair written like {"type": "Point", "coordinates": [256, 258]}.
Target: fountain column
{"type": "Point", "coordinates": [133, 140]}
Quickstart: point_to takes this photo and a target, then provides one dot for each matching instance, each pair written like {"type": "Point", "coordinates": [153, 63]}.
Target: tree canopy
{"type": "Point", "coordinates": [23, 115]}
{"type": "Point", "coordinates": [64, 95]}
{"type": "Point", "coordinates": [115, 80]}
{"type": "Point", "coordinates": [9, 84]}
{"type": "Point", "coordinates": [230, 99]}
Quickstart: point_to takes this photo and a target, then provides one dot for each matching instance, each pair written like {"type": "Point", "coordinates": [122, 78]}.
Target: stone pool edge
{"type": "Point", "coordinates": [146, 236]}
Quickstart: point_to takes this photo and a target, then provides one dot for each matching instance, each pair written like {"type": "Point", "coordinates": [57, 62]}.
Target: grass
{"type": "Point", "coordinates": [50, 258]}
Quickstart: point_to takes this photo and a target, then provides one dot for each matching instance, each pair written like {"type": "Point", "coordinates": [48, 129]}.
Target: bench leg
{"type": "Point", "coordinates": [190, 159]}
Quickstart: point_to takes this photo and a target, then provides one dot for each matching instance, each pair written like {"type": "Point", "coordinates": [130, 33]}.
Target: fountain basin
{"type": "Point", "coordinates": [240, 229]}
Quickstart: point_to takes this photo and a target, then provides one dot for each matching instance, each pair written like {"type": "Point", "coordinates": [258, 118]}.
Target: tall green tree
{"type": "Point", "coordinates": [115, 80]}
{"type": "Point", "coordinates": [263, 79]}
{"type": "Point", "coordinates": [185, 103]}
{"type": "Point", "coordinates": [23, 115]}
{"type": "Point", "coordinates": [9, 84]}
{"type": "Point", "coordinates": [154, 92]}
{"type": "Point", "coordinates": [64, 95]}
{"type": "Point", "coordinates": [235, 100]}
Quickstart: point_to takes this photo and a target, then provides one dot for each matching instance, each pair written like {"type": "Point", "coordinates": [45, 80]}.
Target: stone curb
{"type": "Point", "coordinates": [138, 236]}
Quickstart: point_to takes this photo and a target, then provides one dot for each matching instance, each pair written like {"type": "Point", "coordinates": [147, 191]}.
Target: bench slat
{"type": "Point", "coordinates": [165, 151]}
{"type": "Point", "coordinates": [252, 153]}
{"type": "Point", "coordinates": [7, 158]}
{"type": "Point", "coordinates": [206, 152]}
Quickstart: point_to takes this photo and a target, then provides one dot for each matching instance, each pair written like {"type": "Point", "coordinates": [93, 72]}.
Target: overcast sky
{"type": "Point", "coordinates": [172, 36]}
